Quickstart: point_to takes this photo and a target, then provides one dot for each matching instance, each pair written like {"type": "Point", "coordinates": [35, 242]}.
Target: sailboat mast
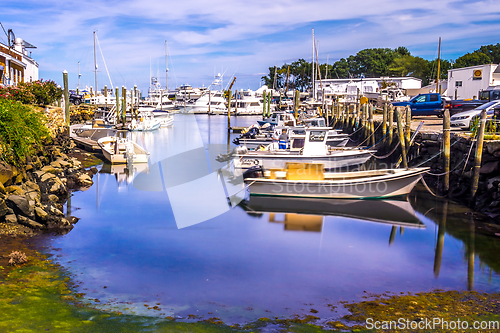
{"type": "Point", "coordinates": [312, 81]}
{"type": "Point", "coordinates": [166, 68]}
{"type": "Point", "coordinates": [438, 90]}
{"type": "Point", "coordinates": [95, 67]}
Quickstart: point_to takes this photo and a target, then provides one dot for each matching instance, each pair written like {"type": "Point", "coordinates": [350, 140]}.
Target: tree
{"type": "Point", "coordinates": [472, 59]}
{"type": "Point", "coordinates": [492, 51]}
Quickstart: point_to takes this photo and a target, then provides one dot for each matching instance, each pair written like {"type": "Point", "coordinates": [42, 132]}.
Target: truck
{"type": "Point", "coordinates": [431, 104]}
{"type": "Point", "coordinates": [485, 96]}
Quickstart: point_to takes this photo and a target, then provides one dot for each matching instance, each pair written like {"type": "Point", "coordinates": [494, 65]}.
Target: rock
{"type": "Point", "coordinates": [41, 214]}
{"type": "Point", "coordinates": [57, 188]}
{"type": "Point", "coordinates": [11, 218]}
{"type": "Point", "coordinates": [85, 180]}
{"type": "Point", "coordinates": [6, 173]}
{"type": "Point", "coordinates": [55, 164]}
{"type": "Point", "coordinates": [492, 146]}
{"type": "Point", "coordinates": [29, 222]}
{"type": "Point", "coordinates": [4, 210]}
{"type": "Point", "coordinates": [19, 178]}
{"type": "Point", "coordinates": [489, 167]}
{"type": "Point", "coordinates": [14, 189]}
{"type": "Point", "coordinates": [491, 182]}
{"type": "Point", "coordinates": [19, 204]}
{"type": "Point", "coordinates": [55, 211]}
{"type": "Point", "coordinates": [2, 189]}
{"type": "Point", "coordinates": [63, 164]}
{"type": "Point", "coordinates": [53, 198]}
{"type": "Point", "coordinates": [47, 176]}
{"type": "Point", "coordinates": [50, 169]}
{"type": "Point", "coordinates": [94, 170]}
{"type": "Point", "coordinates": [32, 190]}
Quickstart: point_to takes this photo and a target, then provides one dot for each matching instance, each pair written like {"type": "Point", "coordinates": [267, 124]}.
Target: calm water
{"type": "Point", "coordinates": [261, 257]}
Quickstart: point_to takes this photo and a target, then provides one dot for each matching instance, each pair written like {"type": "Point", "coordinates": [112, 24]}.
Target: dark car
{"type": "Point", "coordinates": [75, 98]}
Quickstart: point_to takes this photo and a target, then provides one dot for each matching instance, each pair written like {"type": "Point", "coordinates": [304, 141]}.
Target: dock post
{"type": "Point", "coordinates": [66, 99]}
{"type": "Point", "coordinates": [117, 99]}
{"type": "Point", "coordinates": [446, 150]}
{"type": "Point", "coordinates": [332, 113]}
{"type": "Point", "coordinates": [264, 97]}
{"type": "Point", "coordinates": [408, 128]}
{"type": "Point", "coordinates": [372, 127]}
{"type": "Point", "coordinates": [401, 138]}
{"type": "Point", "coordinates": [131, 103]}
{"type": "Point", "coordinates": [106, 96]}
{"type": "Point", "coordinates": [384, 121]}
{"type": "Point", "coordinates": [229, 112]}
{"type": "Point", "coordinates": [235, 103]}
{"type": "Point", "coordinates": [124, 104]}
{"type": "Point", "coordinates": [269, 100]}
{"type": "Point", "coordinates": [136, 101]}
{"type": "Point", "coordinates": [296, 104]}
{"type": "Point", "coordinates": [391, 125]}
{"type": "Point", "coordinates": [477, 162]}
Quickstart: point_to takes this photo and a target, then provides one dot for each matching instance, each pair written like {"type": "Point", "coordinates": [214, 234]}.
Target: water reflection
{"type": "Point", "coordinates": [266, 257]}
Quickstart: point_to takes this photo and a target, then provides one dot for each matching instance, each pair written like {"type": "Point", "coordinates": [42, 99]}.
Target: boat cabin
{"type": "Point", "coordinates": [309, 141]}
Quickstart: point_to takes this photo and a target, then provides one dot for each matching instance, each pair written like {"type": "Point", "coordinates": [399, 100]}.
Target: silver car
{"type": "Point", "coordinates": [464, 120]}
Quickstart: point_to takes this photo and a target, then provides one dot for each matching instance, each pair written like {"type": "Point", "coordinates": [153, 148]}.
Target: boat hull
{"type": "Point", "coordinates": [279, 160]}
{"type": "Point", "coordinates": [400, 183]}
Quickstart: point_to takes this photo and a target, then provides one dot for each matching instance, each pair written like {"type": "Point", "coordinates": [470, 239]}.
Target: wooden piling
{"type": "Point", "coordinates": [408, 128]}
{"type": "Point", "coordinates": [296, 104]}
{"type": "Point", "coordinates": [124, 104]}
{"type": "Point", "coordinates": [136, 106]}
{"type": "Point", "coordinates": [229, 112]}
{"type": "Point", "coordinates": [106, 96]}
{"type": "Point", "coordinates": [117, 100]}
{"type": "Point", "coordinates": [391, 125]}
{"type": "Point", "coordinates": [66, 99]}
{"type": "Point", "coordinates": [384, 121]}
{"type": "Point", "coordinates": [401, 138]}
{"type": "Point", "coordinates": [269, 100]}
{"type": "Point", "coordinates": [264, 97]}
{"type": "Point", "coordinates": [446, 150]}
{"type": "Point", "coordinates": [372, 127]}
{"type": "Point", "coordinates": [477, 162]}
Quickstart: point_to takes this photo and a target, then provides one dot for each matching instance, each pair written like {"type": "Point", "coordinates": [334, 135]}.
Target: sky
{"type": "Point", "coordinates": [233, 38]}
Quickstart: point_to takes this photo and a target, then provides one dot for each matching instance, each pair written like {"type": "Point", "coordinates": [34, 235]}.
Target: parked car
{"type": "Point", "coordinates": [431, 104]}
{"type": "Point", "coordinates": [75, 98]}
{"type": "Point", "coordinates": [465, 119]}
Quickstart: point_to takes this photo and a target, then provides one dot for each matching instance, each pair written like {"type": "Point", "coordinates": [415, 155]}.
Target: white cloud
{"type": "Point", "coordinates": [243, 36]}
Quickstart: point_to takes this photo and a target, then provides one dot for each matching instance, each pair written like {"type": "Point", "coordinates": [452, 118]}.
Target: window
{"type": "Point", "coordinates": [317, 136]}
{"type": "Point", "coordinates": [421, 99]}
{"type": "Point", "coordinates": [458, 84]}
{"type": "Point", "coordinates": [434, 98]}
{"type": "Point", "coordinates": [495, 95]}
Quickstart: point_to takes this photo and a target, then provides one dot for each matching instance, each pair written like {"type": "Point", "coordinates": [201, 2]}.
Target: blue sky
{"type": "Point", "coordinates": [242, 38]}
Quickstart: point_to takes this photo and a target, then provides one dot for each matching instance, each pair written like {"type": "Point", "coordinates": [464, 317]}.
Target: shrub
{"type": "Point", "coordinates": [22, 130]}
{"type": "Point", "coordinates": [38, 92]}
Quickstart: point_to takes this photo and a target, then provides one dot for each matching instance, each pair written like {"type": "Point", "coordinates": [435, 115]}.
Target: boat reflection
{"type": "Point", "coordinates": [307, 213]}
{"type": "Point", "coordinates": [124, 173]}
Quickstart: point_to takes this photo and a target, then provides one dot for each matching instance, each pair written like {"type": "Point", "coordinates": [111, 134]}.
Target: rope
{"type": "Point", "coordinates": [385, 156]}
{"type": "Point", "coordinates": [428, 189]}
{"type": "Point", "coordinates": [369, 136]}
{"type": "Point", "coordinates": [439, 153]}
{"type": "Point", "coordinates": [377, 141]}
{"type": "Point", "coordinates": [470, 150]}
{"type": "Point", "coordinates": [444, 173]}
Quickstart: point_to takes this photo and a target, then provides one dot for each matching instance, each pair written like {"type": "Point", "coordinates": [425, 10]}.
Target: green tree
{"type": "Point", "coordinates": [492, 51]}
{"type": "Point", "coordinates": [472, 59]}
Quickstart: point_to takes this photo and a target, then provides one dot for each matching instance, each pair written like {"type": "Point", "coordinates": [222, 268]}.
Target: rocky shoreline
{"type": "Point", "coordinates": [33, 194]}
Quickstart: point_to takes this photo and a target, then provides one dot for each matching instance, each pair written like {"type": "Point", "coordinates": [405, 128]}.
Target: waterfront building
{"type": "Point", "coordinates": [466, 82]}
{"type": "Point", "coordinates": [16, 64]}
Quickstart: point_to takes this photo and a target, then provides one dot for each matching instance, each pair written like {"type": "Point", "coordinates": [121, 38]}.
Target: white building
{"type": "Point", "coordinates": [366, 86]}
{"type": "Point", "coordinates": [466, 82]}
{"type": "Point", "coordinates": [15, 63]}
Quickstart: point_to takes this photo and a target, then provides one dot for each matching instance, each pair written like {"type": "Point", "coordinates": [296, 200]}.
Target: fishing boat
{"type": "Point", "coordinates": [390, 211]}
{"type": "Point", "coordinates": [121, 150]}
{"type": "Point", "coordinates": [279, 119]}
{"type": "Point", "coordinates": [309, 147]}
{"type": "Point", "coordinates": [311, 181]}
{"type": "Point", "coordinates": [146, 122]}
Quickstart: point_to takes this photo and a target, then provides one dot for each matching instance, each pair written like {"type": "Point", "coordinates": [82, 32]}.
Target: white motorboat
{"type": "Point", "coordinates": [146, 122]}
{"type": "Point", "coordinates": [212, 102]}
{"type": "Point", "coordinates": [310, 181]}
{"type": "Point", "coordinates": [310, 147]}
{"type": "Point", "coordinates": [166, 119]}
{"type": "Point", "coordinates": [247, 103]}
{"type": "Point", "coordinates": [121, 150]}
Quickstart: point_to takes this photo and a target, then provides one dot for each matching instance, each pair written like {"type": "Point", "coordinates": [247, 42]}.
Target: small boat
{"type": "Point", "coordinates": [146, 122]}
{"type": "Point", "coordinates": [279, 119]}
{"type": "Point", "coordinates": [121, 150]}
{"type": "Point", "coordinates": [310, 181]}
{"type": "Point", "coordinates": [309, 147]}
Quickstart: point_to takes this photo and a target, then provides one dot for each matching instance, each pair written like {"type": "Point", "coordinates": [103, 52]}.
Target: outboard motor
{"type": "Point", "coordinates": [253, 172]}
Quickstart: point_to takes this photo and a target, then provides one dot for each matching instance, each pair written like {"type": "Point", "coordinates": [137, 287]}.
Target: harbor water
{"type": "Point", "coordinates": [162, 242]}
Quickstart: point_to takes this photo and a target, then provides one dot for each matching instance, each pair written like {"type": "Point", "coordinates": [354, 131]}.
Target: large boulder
{"type": "Point", "coordinates": [6, 173]}
{"type": "Point", "coordinates": [19, 204]}
{"type": "Point", "coordinates": [29, 222]}
{"type": "Point", "coordinates": [3, 208]}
